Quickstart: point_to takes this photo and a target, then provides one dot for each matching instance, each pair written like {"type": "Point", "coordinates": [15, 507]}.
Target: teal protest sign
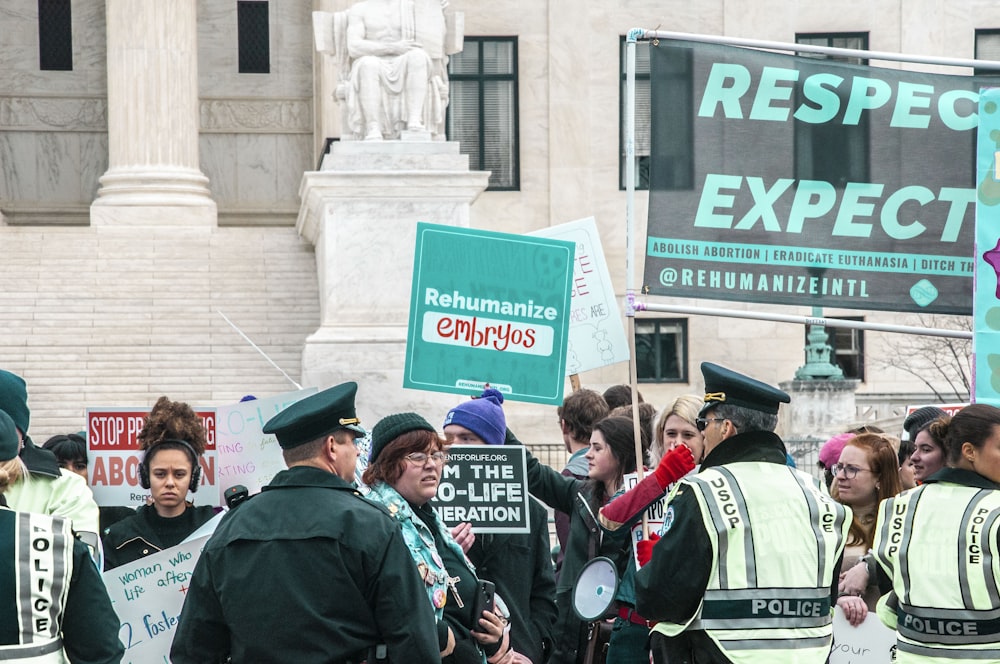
{"type": "Point", "coordinates": [489, 308]}
{"type": "Point", "coordinates": [809, 182]}
{"type": "Point", "coordinates": [986, 309]}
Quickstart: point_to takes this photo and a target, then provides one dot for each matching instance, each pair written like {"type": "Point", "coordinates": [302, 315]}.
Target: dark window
{"type": "Point", "coordinates": [55, 35]}
{"type": "Point", "coordinates": [483, 108]}
{"type": "Point", "coordinates": [848, 347]}
{"type": "Point", "coordinates": [988, 48]}
{"type": "Point", "coordinates": [661, 350]}
{"type": "Point", "coordinates": [254, 37]}
{"type": "Point", "coordinates": [674, 168]}
{"type": "Point", "coordinates": [833, 152]}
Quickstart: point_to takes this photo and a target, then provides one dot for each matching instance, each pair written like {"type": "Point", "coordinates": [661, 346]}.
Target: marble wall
{"type": "Point", "coordinates": [257, 138]}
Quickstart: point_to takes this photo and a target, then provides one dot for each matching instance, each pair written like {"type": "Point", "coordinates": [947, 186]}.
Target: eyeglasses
{"type": "Point", "coordinates": [702, 422]}
{"type": "Point", "coordinates": [420, 458]}
{"type": "Point", "coordinates": [850, 472]}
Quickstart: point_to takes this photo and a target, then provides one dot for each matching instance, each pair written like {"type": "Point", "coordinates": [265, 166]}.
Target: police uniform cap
{"type": "Point", "coordinates": [725, 386]}
{"type": "Point", "coordinates": [10, 441]}
{"type": "Point", "coordinates": [316, 416]}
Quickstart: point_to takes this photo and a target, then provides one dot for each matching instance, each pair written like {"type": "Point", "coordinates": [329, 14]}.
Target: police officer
{"type": "Point", "coordinates": [308, 570]}
{"type": "Point", "coordinates": [938, 543]}
{"type": "Point", "coordinates": [52, 598]}
{"type": "Point", "coordinates": [745, 568]}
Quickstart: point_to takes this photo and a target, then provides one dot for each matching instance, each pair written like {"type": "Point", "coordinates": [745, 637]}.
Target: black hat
{"type": "Point", "coordinates": [725, 386]}
{"type": "Point", "coordinates": [391, 427]}
{"type": "Point", "coordinates": [10, 441]}
{"type": "Point", "coordinates": [919, 418]}
{"type": "Point", "coordinates": [316, 416]}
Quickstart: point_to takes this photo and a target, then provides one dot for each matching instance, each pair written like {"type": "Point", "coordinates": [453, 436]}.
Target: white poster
{"type": "Point", "coordinates": [871, 642]}
{"type": "Point", "coordinates": [148, 595]}
{"type": "Point", "coordinates": [596, 334]}
{"type": "Point", "coordinates": [247, 455]}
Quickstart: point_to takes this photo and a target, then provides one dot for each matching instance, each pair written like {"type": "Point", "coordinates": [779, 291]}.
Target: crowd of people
{"type": "Point", "coordinates": [332, 563]}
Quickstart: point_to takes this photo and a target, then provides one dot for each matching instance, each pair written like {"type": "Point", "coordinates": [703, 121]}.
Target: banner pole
{"type": "Point", "coordinates": [630, 252]}
{"type": "Point", "coordinates": [806, 320]}
{"type": "Point", "coordinates": [825, 50]}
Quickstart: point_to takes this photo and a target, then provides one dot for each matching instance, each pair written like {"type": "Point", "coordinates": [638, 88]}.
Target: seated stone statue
{"type": "Point", "coordinates": [393, 59]}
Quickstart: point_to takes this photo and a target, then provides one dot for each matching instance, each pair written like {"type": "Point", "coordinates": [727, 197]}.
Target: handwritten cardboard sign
{"type": "Point", "coordinates": [246, 454]}
{"type": "Point", "coordinates": [148, 595]}
{"type": "Point", "coordinates": [485, 485]}
{"type": "Point", "coordinates": [596, 334]}
{"type": "Point", "coordinates": [871, 642]}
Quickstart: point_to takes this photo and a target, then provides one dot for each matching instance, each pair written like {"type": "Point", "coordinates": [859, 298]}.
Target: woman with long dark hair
{"type": "Point", "coordinates": [610, 457]}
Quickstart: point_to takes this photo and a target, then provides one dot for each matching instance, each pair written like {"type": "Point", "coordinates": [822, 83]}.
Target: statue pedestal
{"type": "Point", "coordinates": [819, 410]}
{"type": "Point", "coordinates": [360, 211]}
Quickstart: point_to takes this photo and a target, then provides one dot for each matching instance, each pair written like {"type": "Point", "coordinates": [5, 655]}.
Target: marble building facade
{"type": "Point", "coordinates": [110, 301]}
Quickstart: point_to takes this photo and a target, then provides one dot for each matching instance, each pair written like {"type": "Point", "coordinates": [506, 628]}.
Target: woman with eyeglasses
{"type": "Point", "coordinates": [866, 474]}
{"type": "Point", "coordinates": [939, 542]}
{"type": "Point", "coordinates": [403, 473]}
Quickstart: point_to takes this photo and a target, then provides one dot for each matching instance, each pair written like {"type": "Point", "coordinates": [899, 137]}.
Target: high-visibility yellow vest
{"type": "Point", "coordinates": [776, 539]}
{"type": "Point", "coordinates": [938, 542]}
{"type": "Point", "coordinates": [36, 565]}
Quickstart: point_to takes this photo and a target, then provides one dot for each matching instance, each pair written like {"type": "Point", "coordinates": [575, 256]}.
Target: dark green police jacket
{"type": "Point", "coordinates": [306, 571]}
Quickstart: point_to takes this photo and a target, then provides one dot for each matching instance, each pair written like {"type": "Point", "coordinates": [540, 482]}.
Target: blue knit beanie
{"type": "Point", "coordinates": [482, 416]}
{"type": "Point", "coordinates": [14, 399]}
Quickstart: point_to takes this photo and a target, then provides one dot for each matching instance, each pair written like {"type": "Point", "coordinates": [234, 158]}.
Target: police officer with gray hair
{"type": "Point", "coordinates": [745, 568]}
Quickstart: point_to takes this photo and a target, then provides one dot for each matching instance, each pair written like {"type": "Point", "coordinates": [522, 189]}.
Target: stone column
{"type": "Point", "coordinates": [360, 211]}
{"type": "Point", "coordinates": [154, 177]}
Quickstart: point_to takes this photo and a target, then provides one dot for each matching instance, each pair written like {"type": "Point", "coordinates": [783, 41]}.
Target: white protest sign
{"type": "Point", "coordinates": [487, 486]}
{"type": "Point", "coordinates": [654, 515]}
{"type": "Point", "coordinates": [148, 595]}
{"type": "Point", "coordinates": [596, 334]}
{"type": "Point", "coordinates": [247, 455]}
{"type": "Point", "coordinates": [114, 454]}
{"type": "Point", "coordinates": [871, 642]}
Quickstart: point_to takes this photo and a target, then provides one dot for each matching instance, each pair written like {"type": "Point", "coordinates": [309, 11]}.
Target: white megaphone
{"type": "Point", "coordinates": [595, 589]}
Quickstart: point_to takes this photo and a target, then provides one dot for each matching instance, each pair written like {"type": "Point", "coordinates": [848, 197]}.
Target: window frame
{"type": "Point", "coordinates": [479, 78]}
{"type": "Point", "coordinates": [55, 51]}
{"type": "Point", "coordinates": [681, 325]}
{"type": "Point", "coordinates": [864, 125]}
{"type": "Point", "coordinates": [246, 63]}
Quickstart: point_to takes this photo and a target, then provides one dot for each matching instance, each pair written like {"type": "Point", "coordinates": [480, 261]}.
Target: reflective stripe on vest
{"type": "Point", "coordinates": [777, 539]}
{"type": "Point", "coordinates": [938, 543]}
{"type": "Point", "coordinates": [37, 654]}
{"type": "Point", "coordinates": [44, 563]}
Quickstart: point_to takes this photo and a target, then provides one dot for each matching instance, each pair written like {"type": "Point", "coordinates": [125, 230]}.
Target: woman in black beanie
{"type": "Point", "coordinates": [404, 472]}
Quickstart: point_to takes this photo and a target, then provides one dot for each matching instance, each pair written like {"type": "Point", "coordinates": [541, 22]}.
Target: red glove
{"type": "Point", "coordinates": [644, 548]}
{"type": "Point", "coordinates": [673, 466]}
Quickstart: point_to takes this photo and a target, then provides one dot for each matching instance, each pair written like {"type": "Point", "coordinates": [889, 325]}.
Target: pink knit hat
{"type": "Point", "coordinates": [829, 454]}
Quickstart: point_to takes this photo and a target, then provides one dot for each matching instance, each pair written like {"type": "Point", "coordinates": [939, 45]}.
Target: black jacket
{"type": "Point", "coordinates": [306, 571]}
{"type": "Point", "coordinates": [521, 568]}
{"type": "Point", "coordinates": [138, 536]}
{"type": "Point", "coordinates": [586, 540]}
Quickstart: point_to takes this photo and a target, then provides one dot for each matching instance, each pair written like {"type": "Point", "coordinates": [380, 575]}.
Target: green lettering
{"type": "Point", "coordinates": [890, 212]}
{"type": "Point", "coordinates": [804, 207]}
{"type": "Point", "coordinates": [851, 207]}
{"type": "Point", "coordinates": [768, 91]}
{"type": "Point", "coordinates": [717, 94]}
{"type": "Point", "coordinates": [906, 101]}
{"type": "Point", "coordinates": [866, 94]}
{"type": "Point", "coordinates": [712, 199]}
